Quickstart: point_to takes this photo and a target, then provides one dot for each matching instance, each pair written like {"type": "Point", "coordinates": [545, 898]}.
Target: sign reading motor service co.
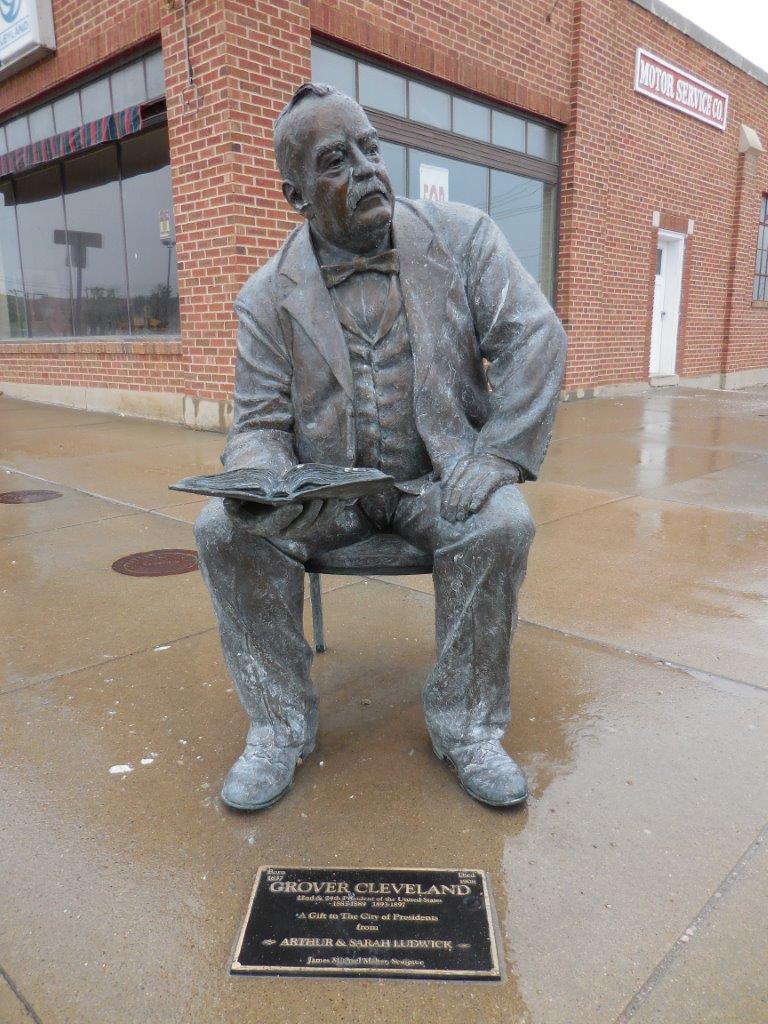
{"type": "Point", "coordinates": [675, 88]}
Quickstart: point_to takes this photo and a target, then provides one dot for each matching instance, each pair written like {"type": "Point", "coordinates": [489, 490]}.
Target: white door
{"type": "Point", "coordinates": [666, 303]}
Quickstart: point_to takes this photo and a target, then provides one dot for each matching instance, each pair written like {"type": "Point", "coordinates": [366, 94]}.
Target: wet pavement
{"type": "Point", "coordinates": [631, 888]}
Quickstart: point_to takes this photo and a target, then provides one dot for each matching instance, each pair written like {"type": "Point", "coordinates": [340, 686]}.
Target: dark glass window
{"type": "Point", "coordinates": [428, 105]}
{"type": "Point", "coordinates": [87, 244]}
{"type": "Point", "coordinates": [382, 90]}
{"type": "Point", "coordinates": [41, 124]}
{"type": "Point", "coordinates": [471, 119]}
{"type": "Point", "coordinates": [95, 252]}
{"type": "Point", "coordinates": [17, 132]}
{"type": "Point", "coordinates": [128, 86]}
{"type": "Point", "coordinates": [66, 113]}
{"type": "Point", "coordinates": [542, 142]}
{"type": "Point", "coordinates": [524, 209]}
{"type": "Point", "coordinates": [96, 100]}
{"type": "Point", "coordinates": [95, 244]}
{"type": "Point", "coordinates": [508, 131]}
{"type": "Point", "coordinates": [334, 69]}
{"type": "Point", "coordinates": [394, 159]}
{"type": "Point", "coordinates": [44, 254]}
{"type": "Point", "coordinates": [467, 183]}
{"type": "Point", "coordinates": [150, 248]}
{"type": "Point", "coordinates": [153, 65]}
{"type": "Point", "coordinates": [760, 290]}
{"type": "Point", "coordinates": [13, 314]}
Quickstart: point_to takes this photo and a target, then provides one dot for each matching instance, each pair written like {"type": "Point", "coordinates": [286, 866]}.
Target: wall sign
{"type": "Point", "coordinates": [676, 88]}
{"type": "Point", "coordinates": [433, 183]}
{"type": "Point", "coordinates": [26, 34]}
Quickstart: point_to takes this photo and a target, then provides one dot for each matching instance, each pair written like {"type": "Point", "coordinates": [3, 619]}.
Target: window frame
{"type": "Point", "coordinates": [760, 276]}
{"type": "Point", "coordinates": [157, 120]}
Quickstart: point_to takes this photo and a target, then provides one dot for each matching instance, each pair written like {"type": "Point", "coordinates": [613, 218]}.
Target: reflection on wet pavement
{"type": "Point", "coordinates": [631, 887]}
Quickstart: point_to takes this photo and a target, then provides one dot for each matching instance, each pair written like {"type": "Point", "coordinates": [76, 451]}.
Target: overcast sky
{"type": "Point", "coordinates": [740, 24]}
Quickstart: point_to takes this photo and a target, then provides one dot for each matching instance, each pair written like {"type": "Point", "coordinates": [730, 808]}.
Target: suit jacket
{"type": "Point", "coordinates": [466, 298]}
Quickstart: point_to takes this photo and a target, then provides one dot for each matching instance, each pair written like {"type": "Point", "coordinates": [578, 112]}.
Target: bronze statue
{"type": "Point", "coordinates": [362, 343]}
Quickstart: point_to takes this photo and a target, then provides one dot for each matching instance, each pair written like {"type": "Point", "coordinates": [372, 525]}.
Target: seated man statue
{"type": "Point", "coordinates": [403, 336]}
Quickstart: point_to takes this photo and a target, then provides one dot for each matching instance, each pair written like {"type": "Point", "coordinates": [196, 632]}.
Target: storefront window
{"type": "Point", "coordinates": [394, 160]}
{"type": "Point", "coordinates": [149, 234]}
{"type": "Point", "coordinates": [44, 254]}
{"type": "Point", "coordinates": [463, 182]}
{"type": "Point", "coordinates": [524, 210]}
{"type": "Point", "coordinates": [96, 252]}
{"type": "Point", "coordinates": [13, 314]}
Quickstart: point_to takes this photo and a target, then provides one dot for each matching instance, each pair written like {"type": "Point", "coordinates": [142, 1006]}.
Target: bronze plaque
{"type": "Point", "coordinates": [401, 922]}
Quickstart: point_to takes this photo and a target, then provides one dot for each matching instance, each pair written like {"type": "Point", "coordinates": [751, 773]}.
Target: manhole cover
{"type": "Point", "coordinates": [26, 497]}
{"type": "Point", "coordinates": [163, 562]}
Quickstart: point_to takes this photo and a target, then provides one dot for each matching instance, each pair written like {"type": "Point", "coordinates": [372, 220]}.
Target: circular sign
{"type": "Point", "coordinates": [9, 10]}
{"type": "Point", "coordinates": [162, 562]}
{"type": "Point", "coordinates": [27, 497]}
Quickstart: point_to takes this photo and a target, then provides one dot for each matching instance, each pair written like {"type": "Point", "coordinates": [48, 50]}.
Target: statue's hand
{"type": "Point", "coordinates": [287, 522]}
{"type": "Point", "coordinates": [471, 481]}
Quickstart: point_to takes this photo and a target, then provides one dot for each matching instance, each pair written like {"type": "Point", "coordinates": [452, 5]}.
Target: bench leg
{"type": "Point", "coordinates": [316, 600]}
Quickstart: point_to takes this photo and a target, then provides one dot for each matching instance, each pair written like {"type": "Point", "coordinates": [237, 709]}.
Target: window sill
{"type": "Point", "coordinates": [95, 346]}
{"type": "Point", "coordinates": [760, 304]}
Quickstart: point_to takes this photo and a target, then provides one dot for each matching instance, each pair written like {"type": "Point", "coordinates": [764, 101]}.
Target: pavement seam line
{"type": "Point", "coordinates": [19, 995]}
{"type": "Point", "coordinates": [711, 678]}
{"type": "Point", "coordinates": [70, 526]}
{"type": "Point", "coordinates": [78, 490]}
{"type": "Point", "coordinates": [42, 680]}
{"type": "Point", "coordinates": [721, 892]}
{"type": "Point", "coordinates": [54, 677]}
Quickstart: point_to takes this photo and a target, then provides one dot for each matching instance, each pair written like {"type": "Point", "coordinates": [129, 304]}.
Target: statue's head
{"type": "Point", "coordinates": [328, 154]}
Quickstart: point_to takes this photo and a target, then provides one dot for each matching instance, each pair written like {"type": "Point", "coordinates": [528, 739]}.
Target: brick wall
{"type": "Point", "coordinates": [625, 157]}
{"type": "Point", "coordinates": [247, 58]}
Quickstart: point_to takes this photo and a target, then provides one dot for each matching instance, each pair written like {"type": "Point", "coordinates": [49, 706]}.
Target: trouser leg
{"type": "Point", "coordinates": [257, 589]}
{"type": "Point", "coordinates": [479, 566]}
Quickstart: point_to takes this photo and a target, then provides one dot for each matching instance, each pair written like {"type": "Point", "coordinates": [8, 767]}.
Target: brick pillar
{"type": "Point", "coordinates": [584, 199]}
{"type": "Point", "coordinates": [247, 57]}
{"type": "Point", "coordinates": [743, 347]}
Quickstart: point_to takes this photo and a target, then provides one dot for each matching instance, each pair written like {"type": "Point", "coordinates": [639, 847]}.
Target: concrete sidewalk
{"type": "Point", "coordinates": [632, 887]}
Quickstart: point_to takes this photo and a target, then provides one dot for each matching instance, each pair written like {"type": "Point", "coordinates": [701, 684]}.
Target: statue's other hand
{"type": "Point", "coordinates": [287, 522]}
{"type": "Point", "coordinates": [471, 481]}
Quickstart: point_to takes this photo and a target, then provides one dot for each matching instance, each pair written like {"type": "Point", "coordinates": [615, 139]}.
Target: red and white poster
{"type": "Point", "coordinates": [433, 183]}
{"type": "Point", "coordinates": [676, 88]}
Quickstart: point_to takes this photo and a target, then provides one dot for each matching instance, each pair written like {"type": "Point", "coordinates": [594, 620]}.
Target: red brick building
{"type": "Point", "coordinates": [618, 146]}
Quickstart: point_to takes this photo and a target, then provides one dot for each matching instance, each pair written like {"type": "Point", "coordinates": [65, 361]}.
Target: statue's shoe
{"type": "Point", "coordinates": [261, 776]}
{"type": "Point", "coordinates": [487, 772]}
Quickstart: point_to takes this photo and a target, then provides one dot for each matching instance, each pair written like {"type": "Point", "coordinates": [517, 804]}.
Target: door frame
{"type": "Point", "coordinates": [674, 242]}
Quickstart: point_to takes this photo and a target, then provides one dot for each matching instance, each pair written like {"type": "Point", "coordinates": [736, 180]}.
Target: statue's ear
{"type": "Point", "coordinates": [294, 196]}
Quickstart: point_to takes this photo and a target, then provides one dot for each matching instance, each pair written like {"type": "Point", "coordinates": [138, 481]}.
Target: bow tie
{"type": "Point", "coordinates": [384, 262]}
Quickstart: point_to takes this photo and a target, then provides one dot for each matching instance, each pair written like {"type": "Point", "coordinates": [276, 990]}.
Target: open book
{"type": "Point", "coordinates": [304, 482]}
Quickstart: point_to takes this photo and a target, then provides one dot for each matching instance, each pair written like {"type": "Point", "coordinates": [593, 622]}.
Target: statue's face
{"type": "Point", "coordinates": [342, 185]}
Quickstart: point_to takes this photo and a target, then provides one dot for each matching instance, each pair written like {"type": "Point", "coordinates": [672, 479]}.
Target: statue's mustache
{"type": "Point", "coordinates": [358, 192]}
